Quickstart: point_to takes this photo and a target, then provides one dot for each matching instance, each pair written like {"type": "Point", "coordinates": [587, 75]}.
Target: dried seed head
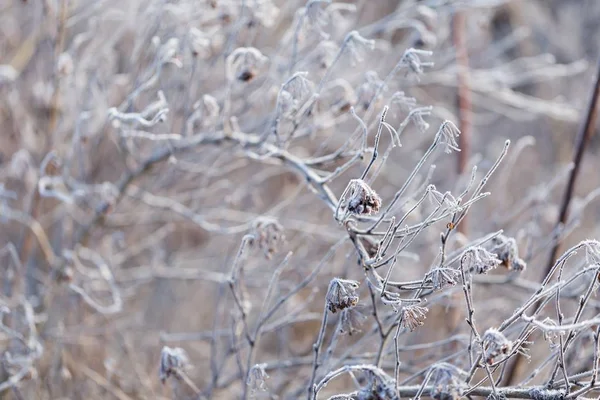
{"type": "Point", "coordinates": [447, 134]}
{"type": "Point", "coordinates": [173, 361]}
{"type": "Point", "coordinates": [341, 294]}
{"type": "Point", "coordinates": [264, 12]}
{"type": "Point", "coordinates": [167, 52]}
{"type": "Point", "coordinates": [244, 63]}
{"type": "Point", "coordinates": [360, 199]}
{"type": "Point", "coordinates": [352, 320]}
{"type": "Point", "coordinates": [411, 60]}
{"type": "Point", "coordinates": [257, 377]}
{"type": "Point", "coordinates": [371, 87]}
{"type": "Point", "coordinates": [405, 102]}
{"type": "Point", "coordinates": [199, 43]}
{"type": "Point", "coordinates": [447, 381]}
{"type": "Point", "coordinates": [551, 336]}
{"type": "Point", "coordinates": [268, 234]}
{"type": "Point", "coordinates": [446, 200]}
{"type": "Point", "coordinates": [479, 260]}
{"type": "Point", "coordinates": [65, 65]}
{"type": "Point", "coordinates": [416, 116]}
{"type": "Point", "coordinates": [413, 316]}
{"type": "Point", "coordinates": [294, 94]}
{"type": "Point", "coordinates": [357, 46]}
{"type": "Point", "coordinates": [317, 16]}
{"type": "Point", "coordinates": [508, 252]}
{"type": "Point", "coordinates": [379, 386]}
{"type": "Point", "coordinates": [592, 251]}
{"type": "Point", "coordinates": [444, 277]}
{"type": "Point", "coordinates": [495, 344]}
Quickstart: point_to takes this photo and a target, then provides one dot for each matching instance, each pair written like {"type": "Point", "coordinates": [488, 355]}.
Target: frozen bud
{"type": "Point", "coordinates": [8, 73]}
{"type": "Point", "coordinates": [359, 198]}
{"type": "Point", "coordinates": [507, 251]}
{"type": "Point", "coordinates": [341, 294]}
{"type": "Point", "coordinates": [64, 64]}
{"type": "Point", "coordinates": [479, 260]}
{"type": "Point", "coordinates": [167, 53]}
{"type": "Point", "coordinates": [495, 344]}
{"type": "Point", "coordinates": [268, 234]}
{"type": "Point", "coordinates": [352, 320]}
{"type": "Point", "coordinates": [264, 12]}
{"type": "Point", "coordinates": [173, 361]}
{"type": "Point", "coordinates": [447, 381]}
{"type": "Point", "coordinates": [199, 43]}
{"type": "Point", "coordinates": [211, 106]}
{"type": "Point", "coordinates": [54, 186]}
{"type": "Point", "coordinates": [413, 316]}
{"type": "Point", "coordinates": [257, 377]}
{"type": "Point", "coordinates": [244, 63]}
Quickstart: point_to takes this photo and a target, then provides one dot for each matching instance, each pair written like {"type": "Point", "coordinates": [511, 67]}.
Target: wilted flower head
{"type": "Point", "coordinates": [444, 199]}
{"type": "Point", "coordinates": [294, 93]}
{"type": "Point", "coordinates": [352, 319]}
{"type": "Point", "coordinates": [416, 116]}
{"type": "Point", "coordinates": [173, 361]}
{"type": "Point", "coordinates": [199, 43]}
{"type": "Point", "coordinates": [317, 17]}
{"type": "Point", "coordinates": [592, 251]}
{"type": "Point", "coordinates": [371, 87]}
{"type": "Point", "coordinates": [405, 102]}
{"type": "Point", "coordinates": [551, 336]}
{"type": "Point", "coordinates": [269, 235]}
{"type": "Point", "coordinates": [64, 64]}
{"type": "Point", "coordinates": [356, 46]}
{"type": "Point", "coordinates": [264, 12]}
{"type": "Point", "coordinates": [244, 63]}
{"type": "Point", "coordinates": [257, 377]}
{"type": "Point", "coordinates": [495, 344]}
{"type": "Point", "coordinates": [413, 316]}
{"type": "Point", "coordinates": [447, 381]}
{"type": "Point", "coordinates": [411, 59]}
{"type": "Point", "coordinates": [443, 277]}
{"type": "Point", "coordinates": [359, 198]}
{"type": "Point", "coordinates": [447, 135]}
{"type": "Point", "coordinates": [341, 294]}
{"type": "Point", "coordinates": [507, 251]}
{"type": "Point", "coordinates": [167, 52]}
{"type": "Point", "coordinates": [479, 260]}
{"type": "Point", "coordinates": [323, 54]}
{"type": "Point", "coordinates": [379, 386]}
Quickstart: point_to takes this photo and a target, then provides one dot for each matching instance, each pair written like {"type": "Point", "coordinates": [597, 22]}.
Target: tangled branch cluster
{"type": "Point", "coordinates": [221, 180]}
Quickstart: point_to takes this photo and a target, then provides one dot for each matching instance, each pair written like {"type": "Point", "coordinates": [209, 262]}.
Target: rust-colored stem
{"type": "Point", "coordinates": [584, 134]}
{"type": "Point", "coordinates": [463, 97]}
{"type": "Point", "coordinates": [586, 130]}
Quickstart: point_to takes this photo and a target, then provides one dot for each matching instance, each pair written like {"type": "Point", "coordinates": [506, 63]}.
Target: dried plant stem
{"type": "Point", "coordinates": [584, 134]}
{"type": "Point", "coordinates": [312, 393]}
{"type": "Point", "coordinates": [463, 97]}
